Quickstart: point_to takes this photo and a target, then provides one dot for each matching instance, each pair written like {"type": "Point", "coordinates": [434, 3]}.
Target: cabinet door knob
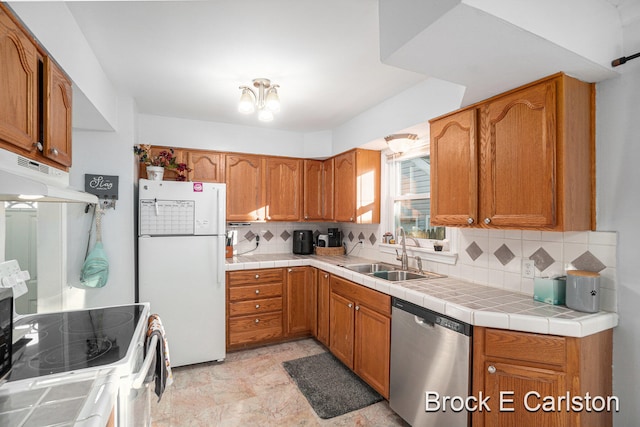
{"type": "Point", "coordinates": [306, 216]}
{"type": "Point", "coordinates": [257, 320]}
{"type": "Point", "coordinates": [54, 151]}
{"type": "Point", "coordinates": [257, 276]}
{"type": "Point", "coordinates": [357, 307]}
{"type": "Point", "coordinates": [326, 276]}
{"type": "Point", "coordinates": [350, 305]}
{"type": "Point", "coordinates": [491, 369]}
{"type": "Point", "coordinates": [257, 291]}
{"type": "Point", "coordinates": [269, 217]}
{"type": "Point", "coordinates": [487, 220]}
{"type": "Point", "coordinates": [351, 219]}
{"type": "Point", "coordinates": [257, 305]}
{"type": "Point", "coordinates": [290, 270]}
{"type": "Point", "coordinates": [469, 220]}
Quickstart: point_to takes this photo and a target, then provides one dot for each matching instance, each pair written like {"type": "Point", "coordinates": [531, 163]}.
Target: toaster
{"type": "Point", "coordinates": [323, 241]}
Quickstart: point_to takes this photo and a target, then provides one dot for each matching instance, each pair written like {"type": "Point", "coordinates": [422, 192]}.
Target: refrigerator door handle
{"type": "Point", "coordinates": [221, 264]}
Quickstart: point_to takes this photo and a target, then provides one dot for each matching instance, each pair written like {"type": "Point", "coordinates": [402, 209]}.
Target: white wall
{"type": "Point", "coordinates": [175, 132]}
{"type": "Point", "coordinates": [108, 153]}
{"type": "Point", "coordinates": [429, 98]}
{"type": "Point", "coordinates": [618, 154]}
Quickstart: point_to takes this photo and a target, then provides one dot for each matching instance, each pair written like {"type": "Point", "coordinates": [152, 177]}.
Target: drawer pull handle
{"type": "Point", "coordinates": [257, 291]}
{"type": "Point", "coordinates": [491, 369]}
{"type": "Point", "coordinates": [257, 320]}
{"type": "Point", "coordinates": [257, 305]}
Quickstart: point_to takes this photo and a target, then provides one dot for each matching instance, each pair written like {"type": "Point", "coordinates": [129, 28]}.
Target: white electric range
{"type": "Point", "coordinates": [98, 352]}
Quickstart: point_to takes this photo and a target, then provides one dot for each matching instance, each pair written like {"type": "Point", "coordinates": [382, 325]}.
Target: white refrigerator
{"type": "Point", "coordinates": [181, 265]}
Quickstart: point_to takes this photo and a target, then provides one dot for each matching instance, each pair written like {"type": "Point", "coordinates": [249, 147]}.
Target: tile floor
{"type": "Point", "coordinates": [251, 388]}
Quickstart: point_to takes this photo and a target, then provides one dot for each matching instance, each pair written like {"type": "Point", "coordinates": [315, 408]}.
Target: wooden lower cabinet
{"type": "Point", "coordinates": [322, 330]}
{"type": "Point", "coordinates": [254, 307]}
{"type": "Point", "coordinates": [301, 301]}
{"type": "Point", "coordinates": [524, 363]}
{"type": "Point", "coordinates": [270, 305]}
{"type": "Point", "coordinates": [360, 331]}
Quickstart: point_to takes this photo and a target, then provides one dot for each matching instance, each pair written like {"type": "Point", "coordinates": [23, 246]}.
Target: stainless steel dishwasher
{"type": "Point", "coordinates": [430, 353]}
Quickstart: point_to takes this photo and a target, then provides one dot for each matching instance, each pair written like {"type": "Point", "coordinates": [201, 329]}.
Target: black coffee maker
{"type": "Point", "coordinates": [335, 237]}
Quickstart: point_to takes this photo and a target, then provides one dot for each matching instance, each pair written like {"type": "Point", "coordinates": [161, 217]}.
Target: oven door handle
{"type": "Point", "coordinates": [138, 381]}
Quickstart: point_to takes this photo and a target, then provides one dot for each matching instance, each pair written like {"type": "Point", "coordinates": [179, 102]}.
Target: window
{"type": "Point", "coordinates": [410, 194]}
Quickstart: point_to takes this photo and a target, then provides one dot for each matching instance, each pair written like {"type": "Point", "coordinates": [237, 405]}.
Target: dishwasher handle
{"type": "Point", "coordinates": [423, 322]}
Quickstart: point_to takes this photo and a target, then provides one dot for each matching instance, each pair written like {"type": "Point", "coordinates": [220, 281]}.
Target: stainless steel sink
{"type": "Point", "coordinates": [371, 268]}
{"type": "Point", "coordinates": [399, 275]}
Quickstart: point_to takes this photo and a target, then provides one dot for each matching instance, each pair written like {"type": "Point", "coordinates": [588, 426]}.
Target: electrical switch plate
{"type": "Point", "coordinates": [528, 268]}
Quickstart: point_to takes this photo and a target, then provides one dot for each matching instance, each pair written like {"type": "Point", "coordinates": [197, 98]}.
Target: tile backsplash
{"type": "Point", "coordinates": [486, 257]}
{"type": "Point", "coordinates": [494, 258]}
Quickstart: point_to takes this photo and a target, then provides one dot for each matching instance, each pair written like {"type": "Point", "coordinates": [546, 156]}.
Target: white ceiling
{"type": "Point", "coordinates": [187, 58]}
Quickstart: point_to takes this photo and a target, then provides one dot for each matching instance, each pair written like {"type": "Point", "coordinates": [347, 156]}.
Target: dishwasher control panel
{"type": "Point", "coordinates": [449, 324]}
{"type": "Point", "coordinates": [433, 318]}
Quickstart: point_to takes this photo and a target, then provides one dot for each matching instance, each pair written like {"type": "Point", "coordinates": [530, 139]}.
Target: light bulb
{"type": "Point", "coordinates": [272, 102]}
{"type": "Point", "coordinates": [265, 115]}
{"type": "Point", "coordinates": [247, 103]}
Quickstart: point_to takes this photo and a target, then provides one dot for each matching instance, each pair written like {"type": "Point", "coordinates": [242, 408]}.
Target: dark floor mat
{"type": "Point", "coordinates": [331, 388]}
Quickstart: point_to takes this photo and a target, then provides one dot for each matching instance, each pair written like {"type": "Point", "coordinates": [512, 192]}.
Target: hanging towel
{"type": "Point", "coordinates": [95, 269]}
{"type": "Point", "coordinates": [162, 370]}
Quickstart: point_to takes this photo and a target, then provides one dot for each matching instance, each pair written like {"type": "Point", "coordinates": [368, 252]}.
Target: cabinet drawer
{"type": "Point", "coordinates": [256, 306]}
{"type": "Point", "coordinates": [361, 295]}
{"type": "Point", "coordinates": [523, 346]}
{"type": "Point", "coordinates": [255, 291]}
{"type": "Point", "coordinates": [253, 329]}
{"type": "Point", "coordinates": [255, 276]}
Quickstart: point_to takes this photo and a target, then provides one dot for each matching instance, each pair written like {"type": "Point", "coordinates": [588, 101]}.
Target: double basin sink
{"type": "Point", "coordinates": [390, 272]}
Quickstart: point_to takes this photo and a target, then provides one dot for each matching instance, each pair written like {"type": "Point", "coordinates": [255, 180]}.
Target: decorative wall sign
{"type": "Point", "coordinates": [103, 186]}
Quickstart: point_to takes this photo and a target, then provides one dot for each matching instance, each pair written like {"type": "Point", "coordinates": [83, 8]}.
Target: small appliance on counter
{"type": "Point", "coordinates": [335, 237]}
{"type": "Point", "coordinates": [583, 291]}
{"type": "Point", "coordinates": [302, 242]}
{"type": "Point", "coordinates": [323, 241]}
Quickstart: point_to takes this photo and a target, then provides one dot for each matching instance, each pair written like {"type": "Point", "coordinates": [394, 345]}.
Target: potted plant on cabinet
{"type": "Point", "coordinates": [156, 164]}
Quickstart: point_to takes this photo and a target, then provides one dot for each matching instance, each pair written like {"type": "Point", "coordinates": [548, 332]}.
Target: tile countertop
{"type": "Point", "coordinates": [471, 303]}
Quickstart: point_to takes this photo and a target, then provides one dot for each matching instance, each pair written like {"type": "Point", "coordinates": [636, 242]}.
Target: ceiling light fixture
{"type": "Point", "coordinates": [401, 142]}
{"type": "Point", "coordinates": [266, 100]}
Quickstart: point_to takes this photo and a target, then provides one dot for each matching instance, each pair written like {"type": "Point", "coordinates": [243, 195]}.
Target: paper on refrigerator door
{"type": "Point", "coordinates": [167, 217]}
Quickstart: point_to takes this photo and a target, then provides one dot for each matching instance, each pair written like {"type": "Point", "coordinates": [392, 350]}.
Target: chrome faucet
{"type": "Point", "coordinates": [403, 258]}
{"type": "Point", "coordinates": [419, 262]}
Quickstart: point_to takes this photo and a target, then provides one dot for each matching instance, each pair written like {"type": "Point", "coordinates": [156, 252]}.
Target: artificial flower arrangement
{"type": "Point", "coordinates": [165, 159]}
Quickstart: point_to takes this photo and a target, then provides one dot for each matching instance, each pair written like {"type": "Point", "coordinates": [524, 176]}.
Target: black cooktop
{"type": "Point", "coordinates": [71, 340]}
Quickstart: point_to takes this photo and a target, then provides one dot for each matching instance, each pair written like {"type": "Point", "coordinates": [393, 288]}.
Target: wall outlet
{"type": "Point", "coordinates": [528, 268]}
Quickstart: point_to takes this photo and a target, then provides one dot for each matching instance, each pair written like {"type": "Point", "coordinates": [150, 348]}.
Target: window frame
{"type": "Point", "coordinates": [449, 254]}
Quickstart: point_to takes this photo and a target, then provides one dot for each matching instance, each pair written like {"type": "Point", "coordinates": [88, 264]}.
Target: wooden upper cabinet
{"type": "Point", "coordinates": [244, 177]}
{"type": "Point", "coordinates": [57, 114]}
{"type": "Point", "coordinates": [313, 190]}
{"type": "Point", "coordinates": [345, 180]}
{"type": "Point", "coordinates": [206, 166]}
{"type": "Point", "coordinates": [328, 189]}
{"type": "Point", "coordinates": [518, 143]}
{"type": "Point", "coordinates": [454, 170]}
{"type": "Point", "coordinates": [318, 190]}
{"type": "Point", "coordinates": [534, 157]}
{"type": "Point", "coordinates": [357, 187]}
{"type": "Point", "coordinates": [18, 86]}
{"type": "Point", "coordinates": [283, 190]}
